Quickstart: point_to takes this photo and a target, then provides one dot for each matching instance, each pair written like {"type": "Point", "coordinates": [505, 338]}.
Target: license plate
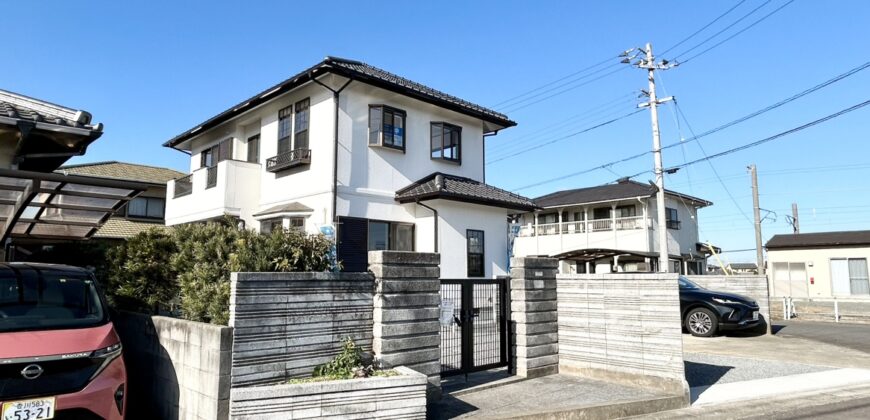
{"type": "Point", "coordinates": [36, 409]}
{"type": "Point", "coordinates": [755, 315]}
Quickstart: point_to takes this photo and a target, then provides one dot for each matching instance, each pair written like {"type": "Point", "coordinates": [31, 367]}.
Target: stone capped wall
{"type": "Point", "coordinates": [285, 324]}
{"type": "Point", "coordinates": [534, 327]}
{"type": "Point", "coordinates": [622, 327]}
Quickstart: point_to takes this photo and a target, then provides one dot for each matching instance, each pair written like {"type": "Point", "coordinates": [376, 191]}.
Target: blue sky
{"type": "Point", "coordinates": [149, 70]}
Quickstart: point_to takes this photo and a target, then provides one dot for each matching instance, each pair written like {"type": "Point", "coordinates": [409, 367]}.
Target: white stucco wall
{"type": "Point", "coordinates": [818, 266]}
{"type": "Point", "coordinates": [454, 219]}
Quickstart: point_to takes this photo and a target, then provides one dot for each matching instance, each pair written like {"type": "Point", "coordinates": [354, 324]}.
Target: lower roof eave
{"type": "Point", "coordinates": [461, 199]}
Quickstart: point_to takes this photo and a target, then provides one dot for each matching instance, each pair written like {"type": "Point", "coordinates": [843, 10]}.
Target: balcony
{"type": "Point", "coordinates": [207, 193]}
{"type": "Point", "coordinates": [287, 160]}
{"type": "Point", "coordinates": [600, 225]}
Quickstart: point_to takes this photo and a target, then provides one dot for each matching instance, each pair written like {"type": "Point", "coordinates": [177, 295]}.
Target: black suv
{"type": "Point", "coordinates": [705, 312]}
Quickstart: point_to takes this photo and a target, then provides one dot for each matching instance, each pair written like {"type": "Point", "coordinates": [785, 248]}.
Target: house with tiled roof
{"type": "Point", "coordinates": [351, 150]}
{"type": "Point", "coordinates": [611, 228]}
{"type": "Point", "coordinates": [144, 212]}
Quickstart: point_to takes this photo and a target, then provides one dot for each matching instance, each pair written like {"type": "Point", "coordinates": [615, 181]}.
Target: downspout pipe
{"type": "Point", "coordinates": [435, 214]}
{"type": "Point", "coordinates": [335, 96]}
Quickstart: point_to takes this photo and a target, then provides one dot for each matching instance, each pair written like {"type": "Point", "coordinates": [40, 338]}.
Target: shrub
{"type": "Point", "coordinates": [201, 257]}
{"type": "Point", "coordinates": [139, 274]}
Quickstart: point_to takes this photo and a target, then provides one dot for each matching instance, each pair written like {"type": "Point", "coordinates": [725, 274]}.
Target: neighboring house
{"type": "Point", "coordinates": [36, 205]}
{"type": "Point", "coordinates": [823, 264]}
{"type": "Point", "coordinates": [742, 268]}
{"type": "Point", "coordinates": [388, 162]}
{"type": "Point", "coordinates": [141, 213]}
{"type": "Point", "coordinates": [612, 228]}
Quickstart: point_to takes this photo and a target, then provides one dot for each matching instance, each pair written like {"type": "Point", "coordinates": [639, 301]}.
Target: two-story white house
{"type": "Point", "coordinates": [612, 228]}
{"type": "Point", "coordinates": [345, 147]}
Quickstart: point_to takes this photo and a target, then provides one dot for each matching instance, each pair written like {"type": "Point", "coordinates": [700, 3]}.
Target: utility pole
{"type": "Point", "coordinates": [759, 254]}
{"type": "Point", "coordinates": [794, 217]}
{"type": "Point", "coordinates": [648, 62]}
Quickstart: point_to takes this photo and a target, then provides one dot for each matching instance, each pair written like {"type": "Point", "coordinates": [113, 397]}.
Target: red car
{"type": "Point", "coordinates": [60, 357]}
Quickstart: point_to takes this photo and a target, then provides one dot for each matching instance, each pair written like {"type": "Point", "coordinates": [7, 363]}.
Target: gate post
{"type": "Point", "coordinates": [535, 331]}
{"type": "Point", "coordinates": [406, 310]}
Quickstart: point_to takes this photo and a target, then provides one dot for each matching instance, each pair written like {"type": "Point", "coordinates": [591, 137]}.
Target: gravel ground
{"type": "Point", "coordinates": [709, 369]}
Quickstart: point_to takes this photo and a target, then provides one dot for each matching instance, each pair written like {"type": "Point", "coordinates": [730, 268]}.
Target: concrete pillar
{"type": "Point", "coordinates": [534, 326]}
{"type": "Point", "coordinates": [406, 308]}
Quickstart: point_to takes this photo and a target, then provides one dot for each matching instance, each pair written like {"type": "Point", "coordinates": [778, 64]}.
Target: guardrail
{"type": "Point", "coordinates": [183, 186]}
{"type": "Point", "coordinates": [288, 160]}
{"type": "Point", "coordinates": [211, 177]}
{"type": "Point", "coordinates": [790, 306]}
{"type": "Point", "coordinates": [583, 226]}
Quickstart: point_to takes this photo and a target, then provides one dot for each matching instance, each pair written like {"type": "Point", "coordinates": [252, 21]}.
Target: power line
{"type": "Point", "coordinates": [586, 130]}
{"type": "Point", "coordinates": [723, 29]}
{"type": "Point", "coordinates": [567, 89]}
{"type": "Point", "coordinates": [555, 81]}
{"type": "Point", "coordinates": [737, 33]}
{"type": "Point", "coordinates": [703, 28]}
{"type": "Point", "coordinates": [765, 140]}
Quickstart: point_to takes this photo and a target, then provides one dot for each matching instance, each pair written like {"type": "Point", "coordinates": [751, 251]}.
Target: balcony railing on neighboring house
{"type": "Point", "coordinates": [211, 177]}
{"type": "Point", "coordinates": [599, 225]}
{"type": "Point", "coordinates": [183, 186]}
{"type": "Point", "coordinates": [673, 224]}
{"type": "Point", "coordinates": [288, 160]}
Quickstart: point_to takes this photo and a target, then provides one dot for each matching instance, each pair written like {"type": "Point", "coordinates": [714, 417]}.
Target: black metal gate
{"type": "Point", "coordinates": [474, 325]}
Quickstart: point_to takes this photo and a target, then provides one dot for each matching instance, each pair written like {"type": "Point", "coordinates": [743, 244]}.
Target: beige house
{"type": "Point", "coordinates": [819, 265]}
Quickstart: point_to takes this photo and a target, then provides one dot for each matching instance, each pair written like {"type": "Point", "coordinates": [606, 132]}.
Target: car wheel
{"type": "Point", "coordinates": [702, 322]}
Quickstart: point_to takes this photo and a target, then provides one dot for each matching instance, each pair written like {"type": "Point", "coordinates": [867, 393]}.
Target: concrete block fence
{"type": "Point", "coordinates": [754, 287]}
{"type": "Point", "coordinates": [285, 324]}
{"type": "Point", "coordinates": [534, 317]}
{"type": "Point", "coordinates": [623, 328]}
{"type": "Point", "coordinates": [176, 369]}
{"type": "Point", "coordinates": [406, 308]}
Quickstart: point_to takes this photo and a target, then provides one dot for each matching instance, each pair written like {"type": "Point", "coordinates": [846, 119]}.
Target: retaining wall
{"type": "Point", "coordinates": [751, 286]}
{"type": "Point", "coordinates": [285, 324]}
{"type": "Point", "coordinates": [395, 397]}
{"type": "Point", "coordinates": [176, 369]}
{"type": "Point", "coordinates": [623, 328]}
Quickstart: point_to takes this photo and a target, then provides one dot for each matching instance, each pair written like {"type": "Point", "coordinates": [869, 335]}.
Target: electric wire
{"type": "Point", "coordinates": [698, 45]}
{"type": "Point", "coordinates": [703, 28]}
{"type": "Point", "coordinates": [506, 101]}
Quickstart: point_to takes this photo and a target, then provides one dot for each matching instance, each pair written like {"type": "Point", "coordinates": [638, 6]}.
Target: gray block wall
{"type": "Point", "coordinates": [623, 328]}
{"type": "Point", "coordinates": [396, 397]}
{"type": "Point", "coordinates": [406, 310]}
{"type": "Point", "coordinates": [534, 327]}
{"type": "Point", "coordinates": [751, 286]}
{"type": "Point", "coordinates": [176, 369]}
{"type": "Point", "coordinates": [285, 324]}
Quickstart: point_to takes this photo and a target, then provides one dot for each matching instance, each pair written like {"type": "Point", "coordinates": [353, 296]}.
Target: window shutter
{"type": "Point", "coordinates": [353, 244]}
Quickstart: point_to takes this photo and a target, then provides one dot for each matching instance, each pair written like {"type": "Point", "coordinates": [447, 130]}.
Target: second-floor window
{"type": "Point", "coordinates": [146, 207]}
{"type": "Point", "coordinates": [217, 153]}
{"type": "Point", "coordinates": [285, 130]}
{"type": "Point", "coordinates": [446, 141]}
{"type": "Point", "coordinates": [672, 218]}
{"type": "Point", "coordinates": [300, 123]}
{"type": "Point", "coordinates": [626, 211]}
{"type": "Point", "coordinates": [387, 127]}
{"type": "Point", "coordinates": [293, 127]}
{"type": "Point", "coordinates": [254, 149]}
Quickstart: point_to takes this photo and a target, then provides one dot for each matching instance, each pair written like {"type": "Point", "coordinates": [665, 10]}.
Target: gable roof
{"type": "Point", "coordinates": [624, 189]}
{"type": "Point", "coordinates": [820, 239]}
{"type": "Point", "coordinates": [362, 72]}
{"type": "Point", "coordinates": [457, 188]}
{"type": "Point", "coordinates": [20, 107]}
{"type": "Point", "coordinates": [294, 207]}
{"type": "Point", "coordinates": [122, 170]}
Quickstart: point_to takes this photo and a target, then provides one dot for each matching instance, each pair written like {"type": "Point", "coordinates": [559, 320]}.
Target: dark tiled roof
{"type": "Point", "coordinates": [358, 71]}
{"type": "Point", "coordinates": [619, 191]}
{"type": "Point", "coordinates": [122, 170]}
{"type": "Point", "coordinates": [293, 207]}
{"type": "Point", "coordinates": [13, 105]}
{"type": "Point", "coordinates": [457, 188]}
{"type": "Point", "coordinates": [820, 239]}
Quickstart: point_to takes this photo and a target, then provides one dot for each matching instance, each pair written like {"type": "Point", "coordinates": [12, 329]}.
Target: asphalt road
{"type": "Point", "coordinates": [854, 336]}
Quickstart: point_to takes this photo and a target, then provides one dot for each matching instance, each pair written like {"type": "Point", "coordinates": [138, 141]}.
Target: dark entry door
{"type": "Point", "coordinates": [474, 325]}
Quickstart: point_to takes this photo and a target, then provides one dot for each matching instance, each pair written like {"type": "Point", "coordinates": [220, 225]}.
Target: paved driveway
{"type": "Point", "coordinates": [853, 336]}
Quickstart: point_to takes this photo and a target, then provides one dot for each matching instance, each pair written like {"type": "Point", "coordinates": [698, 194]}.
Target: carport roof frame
{"type": "Point", "coordinates": [32, 204]}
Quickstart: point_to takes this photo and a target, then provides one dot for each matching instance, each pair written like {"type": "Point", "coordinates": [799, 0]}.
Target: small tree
{"type": "Point", "coordinates": [139, 274]}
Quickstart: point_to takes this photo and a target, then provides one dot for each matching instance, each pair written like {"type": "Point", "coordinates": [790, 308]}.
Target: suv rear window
{"type": "Point", "coordinates": [39, 300]}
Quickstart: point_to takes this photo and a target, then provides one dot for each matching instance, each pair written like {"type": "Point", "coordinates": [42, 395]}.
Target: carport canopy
{"type": "Point", "coordinates": [37, 205]}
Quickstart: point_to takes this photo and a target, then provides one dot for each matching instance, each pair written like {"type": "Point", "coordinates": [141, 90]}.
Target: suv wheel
{"type": "Point", "coordinates": [702, 322]}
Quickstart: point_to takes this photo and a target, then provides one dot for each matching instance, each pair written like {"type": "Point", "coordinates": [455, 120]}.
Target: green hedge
{"type": "Point", "coordinates": [193, 263]}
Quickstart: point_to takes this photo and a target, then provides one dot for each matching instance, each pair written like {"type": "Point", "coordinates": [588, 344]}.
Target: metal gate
{"type": "Point", "coordinates": [474, 325]}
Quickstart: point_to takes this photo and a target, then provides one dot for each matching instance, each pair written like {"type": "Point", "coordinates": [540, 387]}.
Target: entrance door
{"type": "Point", "coordinates": [840, 277]}
{"type": "Point", "coordinates": [474, 325]}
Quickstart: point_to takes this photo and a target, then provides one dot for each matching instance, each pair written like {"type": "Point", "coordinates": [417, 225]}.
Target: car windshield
{"type": "Point", "coordinates": [45, 300]}
{"type": "Point", "coordinates": [687, 284]}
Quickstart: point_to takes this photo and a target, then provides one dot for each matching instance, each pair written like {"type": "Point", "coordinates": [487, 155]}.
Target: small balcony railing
{"type": "Point", "coordinates": [211, 177]}
{"type": "Point", "coordinates": [583, 226]}
{"type": "Point", "coordinates": [183, 186]}
{"type": "Point", "coordinates": [673, 224]}
{"type": "Point", "coordinates": [289, 160]}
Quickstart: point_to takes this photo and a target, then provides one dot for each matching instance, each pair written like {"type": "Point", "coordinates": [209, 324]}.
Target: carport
{"type": "Point", "coordinates": [40, 206]}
